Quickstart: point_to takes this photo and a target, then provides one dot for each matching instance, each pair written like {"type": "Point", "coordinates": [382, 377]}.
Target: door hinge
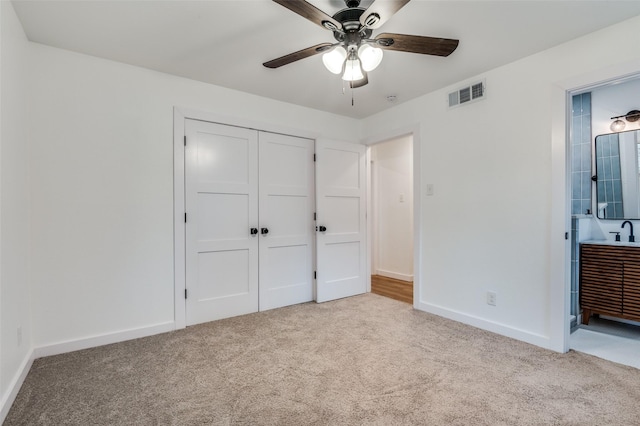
{"type": "Point", "coordinates": [566, 235]}
{"type": "Point", "coordinates": [315, 275]}
{"type": "Point", "coordinates": [185, 293]}
{"type": "Point", "coordinates": [314, 157]}
{"type": "Point", "coordinates": [185, 140]}
{"type": "Point", "coordinates": [185, 217]}
{"type": "Point", "coordinates": [314, 216]}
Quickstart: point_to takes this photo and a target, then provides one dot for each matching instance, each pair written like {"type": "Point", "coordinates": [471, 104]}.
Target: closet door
{"type": "Point", "coordinates": [221, 190]}
{"type": "Point", "coordinates": [286, 212]}
{"type": "Point", "coordinates": [341, 208]}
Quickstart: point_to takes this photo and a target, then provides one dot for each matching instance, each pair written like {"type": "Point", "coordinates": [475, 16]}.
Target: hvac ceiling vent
{"type": "Point", "coordinates": [467, 94]}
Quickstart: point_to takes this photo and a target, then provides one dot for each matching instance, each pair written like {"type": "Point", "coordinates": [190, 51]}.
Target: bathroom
{"type": "Point", "coordinates": [605, 207]}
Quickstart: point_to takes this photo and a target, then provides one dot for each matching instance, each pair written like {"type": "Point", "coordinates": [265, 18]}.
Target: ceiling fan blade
{"type": "Point", "coordinates": [312, 13]}
{"type": "Point", "coordinates": [296, 56]}
{"type": "Point", "coordinates": [359, 83]}
{"type": "Point", "coordinates": [417, 44]}
{"type": "Point", "coordinates": [379, 11]}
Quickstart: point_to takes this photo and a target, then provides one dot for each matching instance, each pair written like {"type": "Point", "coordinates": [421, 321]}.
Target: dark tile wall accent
{"type": "Point", "coordinates": [581, 154]}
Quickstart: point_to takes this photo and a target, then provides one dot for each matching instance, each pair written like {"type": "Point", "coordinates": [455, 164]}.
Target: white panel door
{"type": "Point", "coordinates": [286, 214]}
{"type": "Point", "coordinates": [341, 208]}
{"type": "Point", "coordinates": [221, 191]}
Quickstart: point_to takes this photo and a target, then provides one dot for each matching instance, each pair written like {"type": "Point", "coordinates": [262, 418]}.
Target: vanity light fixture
{"type": "Point", "coordinates": [618, 125]}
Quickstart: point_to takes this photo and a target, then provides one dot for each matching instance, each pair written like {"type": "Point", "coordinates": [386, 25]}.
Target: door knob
{"type": "Point", "coordinates": [264, 231]}
{"type": "Point", "coordinates": [323, 228]}
{"type": "Point", "coordinates": [254, 231]}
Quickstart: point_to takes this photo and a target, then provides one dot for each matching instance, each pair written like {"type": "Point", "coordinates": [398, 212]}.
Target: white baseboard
{"type": "Point", "coordinates": [395, 275]}
{"type": "Point", "coordinates": [15, 385]}
{"type": "Point", "coordinates": [100, 340]}
{"type": "Point", "coordinates": [494, 327]}
{"type": "Point", "coordinates": [70, 346]}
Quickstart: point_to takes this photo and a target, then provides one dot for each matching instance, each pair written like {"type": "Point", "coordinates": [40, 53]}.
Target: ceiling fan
{"type": "Point", "coordinates": [355, 52]}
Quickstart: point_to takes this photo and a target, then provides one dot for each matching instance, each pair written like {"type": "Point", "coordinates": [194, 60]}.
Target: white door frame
{"type": "Point", "coordinates": [179, 248]}
{"type": "Point", "coordinates": [560, 291]}
{"type": "Point", "coordinates": [583, 83]}
{"type": "Point", "coordinates": [414, 131]}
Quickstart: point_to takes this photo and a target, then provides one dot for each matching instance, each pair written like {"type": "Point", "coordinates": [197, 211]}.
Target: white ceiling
{"type": "Point", "coordinates": [225, 42]}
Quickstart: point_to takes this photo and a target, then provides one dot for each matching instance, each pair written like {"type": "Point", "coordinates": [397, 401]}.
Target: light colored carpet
{"type": "Point", "coordinates": [362, 360]}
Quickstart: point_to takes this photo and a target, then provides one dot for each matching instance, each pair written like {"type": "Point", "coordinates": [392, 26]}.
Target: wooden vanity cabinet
{"type": "Point", "coordinates": [610, 281]}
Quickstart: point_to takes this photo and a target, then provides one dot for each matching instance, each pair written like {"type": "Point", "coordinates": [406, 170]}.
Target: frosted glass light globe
{"type": "Point", "coordinates": [352, 70]}
{"type": "Point", "coordinates": [617, 126]}
{"type": "Point", "coordinates": [334, 59]}
{"type": "Point", "coordinates": [370, 57]}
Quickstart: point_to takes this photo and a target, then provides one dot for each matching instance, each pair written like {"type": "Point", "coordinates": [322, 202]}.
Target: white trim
{"type": "Point", "coordinates": [414, 131]}
{"type": "Point", "coordinates": [371, 218]}
{"type": "Point", "coordinates": [14, 387]}
{"type": "Point", "coordinates": [494, 327]}
{"type": "Point", "coordinates": [395, 275]}
{"type": "Point", "coordinates": [179, 205]}
{"type": "Point", "coordinates": [102, 339]}
{"type": "Point", "coordinates": [559, 280]}
{"type": "Point", "coordinates": [245, 123]}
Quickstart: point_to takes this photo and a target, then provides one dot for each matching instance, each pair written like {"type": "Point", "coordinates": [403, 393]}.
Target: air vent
{"type": "Point", "coordinates": [467, 94]}
{"type": "Point", "coordinates": [454, 99]}
{"type": "Point", "coordinates": [477, 91]}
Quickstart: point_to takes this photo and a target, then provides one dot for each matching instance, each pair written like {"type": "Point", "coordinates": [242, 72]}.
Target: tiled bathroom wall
{"type": "Point", "coordinates": [609, 202]}
{"type": "Point", "coordinates": [581, 173]}
{"type": "Point", "coordinates": [581, 154]}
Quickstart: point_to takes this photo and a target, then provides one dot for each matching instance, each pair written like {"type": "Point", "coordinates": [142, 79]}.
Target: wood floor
{"type": "Point", "coordinates": [395, 289]}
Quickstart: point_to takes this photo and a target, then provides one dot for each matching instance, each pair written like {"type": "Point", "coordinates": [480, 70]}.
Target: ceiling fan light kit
{"type": "Point", "coordinates": [356, 53]}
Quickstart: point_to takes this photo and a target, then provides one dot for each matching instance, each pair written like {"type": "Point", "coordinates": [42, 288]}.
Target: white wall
{"type": "Point", "coordinates": [102, 187]}
{"type": "Point", "coordinates": [14, 205]}
{"type": "Point", "coordinates": [612, 101]}
{"type": "Point", "coordinates": [499, 213]}
{"type": "Point", "coordinates": [393, 201]}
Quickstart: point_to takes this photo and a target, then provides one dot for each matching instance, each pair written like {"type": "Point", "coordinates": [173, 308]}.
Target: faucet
{"type": "Point", "coordinates": [631, 237]}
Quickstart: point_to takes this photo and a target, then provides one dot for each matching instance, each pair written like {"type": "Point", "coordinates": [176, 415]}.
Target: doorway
{"type": "Point", "coordinates": [597, 150]}
{"type": "Point", "coordinates": [392, 210]}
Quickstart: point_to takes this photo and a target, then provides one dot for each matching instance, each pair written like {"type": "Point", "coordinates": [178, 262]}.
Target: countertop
{"type": "Point", "coordinates": [612, 243]}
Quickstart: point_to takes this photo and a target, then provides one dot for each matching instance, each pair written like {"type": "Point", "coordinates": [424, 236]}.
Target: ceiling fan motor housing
{"type": "Point", "coordinates": [349, 18]}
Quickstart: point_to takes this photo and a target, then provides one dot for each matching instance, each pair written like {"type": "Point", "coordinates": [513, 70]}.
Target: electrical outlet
{"type": "Point", "coordinates": [491, 298]}
{"type": "Point", "coordinates": [401, 198]}
{"type": "Point", "coordinates": [430, 189]}
{"type": "Point", "coordinates": [19, 333]}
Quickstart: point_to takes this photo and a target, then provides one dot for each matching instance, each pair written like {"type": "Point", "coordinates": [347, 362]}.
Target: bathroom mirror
{"type": "Point", "coordinates": [618, 173]}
